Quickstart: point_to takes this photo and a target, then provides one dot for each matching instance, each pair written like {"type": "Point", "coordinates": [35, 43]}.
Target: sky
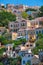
{"type": "Point", "coordinates": [25, 2]}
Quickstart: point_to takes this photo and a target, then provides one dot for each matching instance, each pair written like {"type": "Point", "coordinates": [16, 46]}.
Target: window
{"type": "Point", "coordinates": [32, 55]}
{"type": "Point", "coordinates": [41, 23]}
{"type": "Point", "coordinates": [28, 55]}
{"type": "Point", "coordinates": [36, 32]}
{"type": "Point", "coordinates": [27, 45]}
{"type": "Point", "coordinates": [23, 62]}
{"type": "Point", "coordinates": [39, 31]}
{"type": "Point", "coordinates": [11, 25]}
{"type": "Point", "coordinates": [0, 30]}
{"type": "Point", "coordinates": [18, 24]}
{"type": "Point", "coordinates": [31, 45]}
{"type": "Point", "coordinates": [42, 31]}
{"type": "Point", "coordinates": [14, 54]}
{"type": "Point", "coordinates": [14, 30]}
{"type": "Point", "coordinates": [23, 55]}
{"type": "Point", "coordinates": [31, 32]}
{"type": "Point", "coordinates": [23, 24]}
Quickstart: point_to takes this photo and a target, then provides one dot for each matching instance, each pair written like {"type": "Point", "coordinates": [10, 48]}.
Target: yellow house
{"type": "Point", "coordinates": [14, 36]}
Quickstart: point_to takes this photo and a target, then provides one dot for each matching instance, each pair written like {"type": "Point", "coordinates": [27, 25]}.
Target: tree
{"type": "Point", "coordinates": [30, 9]}
{"type": "Point", "coordinates": [13, 61]}
{"type": "Point", "coordinates": [24, 15]}
{"type": "Point", "coordinates": [3, 40]}
{"type": "Point", "coordinates": [40, 35]}
{"type": "Point", "coordinates": [41, 8]}
{"type": "Point", "coordinates": [30, 17]}
{"type": "Point", "coordinates": [39, 45]}
{"type": "Point", "coordinates": [1, 51]}
{"type": "Point", "coordinates": [40, 13]}
{"type": "Point", "coordinates": [19, 60]}
{"type": "Point", "coordinates": [28, 63]}
{"type": "Point", "coordinates": [1, 63]}
{"type": "Point", "coordinates": [6, 17]}
{"type": "Point", "coordinates": [19, 42]}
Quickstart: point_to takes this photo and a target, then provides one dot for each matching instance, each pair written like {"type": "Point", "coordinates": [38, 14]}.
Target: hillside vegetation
{"type": "Point", "coordinates": [6, 17]}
